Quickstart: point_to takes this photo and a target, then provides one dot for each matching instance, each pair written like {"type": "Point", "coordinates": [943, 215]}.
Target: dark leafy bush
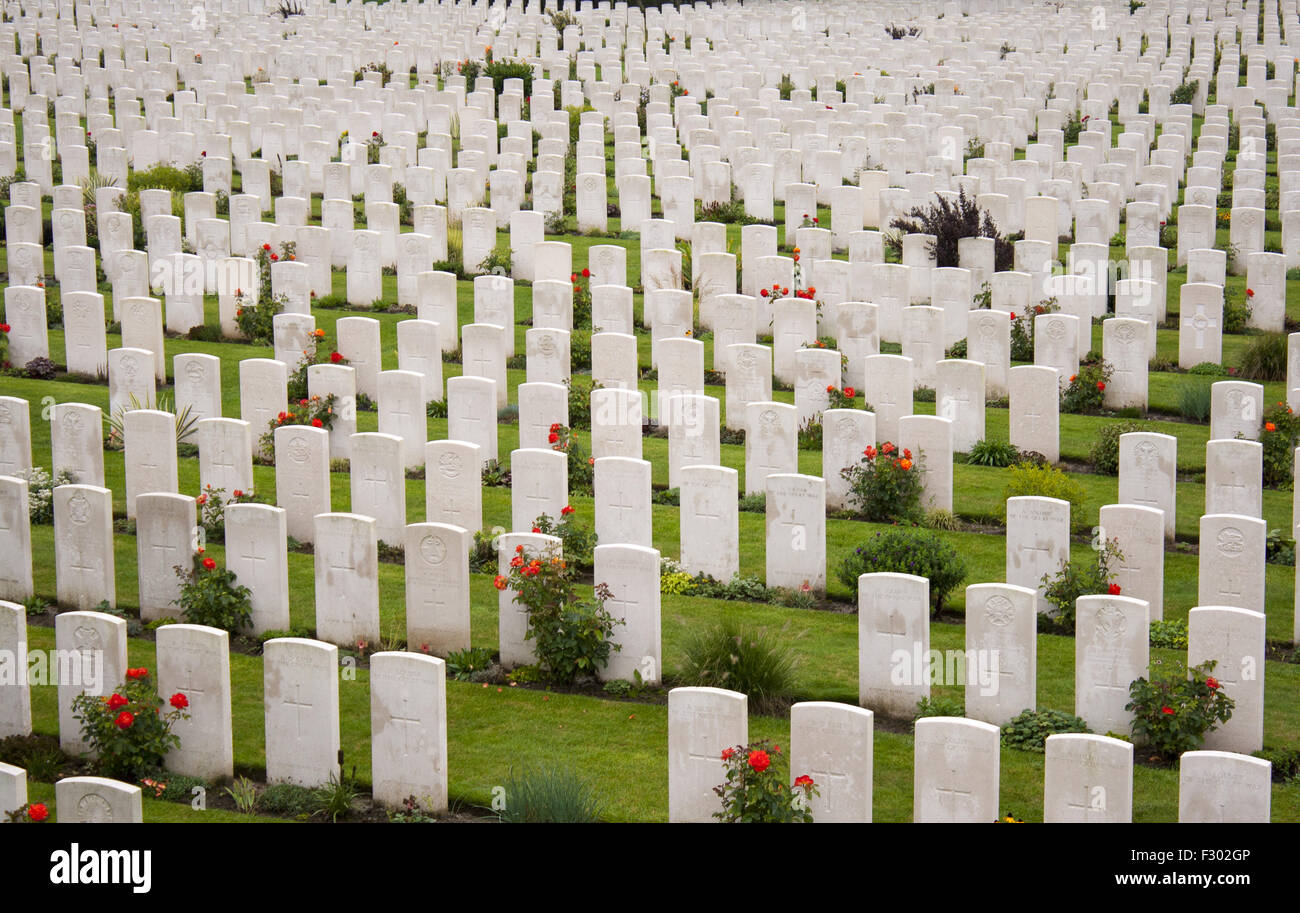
{"type": "Point", "coordinates": [906, 550]}
{"type": "Point", "coordinates": [755, 662]}
{"type": "Point", "coordinates": [1029, 730]}
{"type": "Point", "coordinates": [1185, 93]}
{"type": "Point", "coordinates": [1279, 433]}
{"type": "Point", "coordinates": [1104, 455]}
{"type": "Point", "coordinates": [1285, 761]}
{"type": "Point", "coordinates": [992, 453]}
{"type": "Point", "coordinates": [41, 369]}
{"type": "Point", "coordinates": [1174, 709]}
{"type": "Point", "coordinates": [949, 223]}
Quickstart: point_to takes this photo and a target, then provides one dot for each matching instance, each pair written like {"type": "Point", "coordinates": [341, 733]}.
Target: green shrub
{"type": "Point", "coordinates": [886, 484]}
{"type": "Point", "coordinates": [577, 542]}
{"type": "Point", "coordinates": [1029, 730]}
{"type": "Point", "coordinates": [1279, 433]}
{"type": "Point", "coordinates": [939, 706]}
{"type": "Point", "coordinates": [128, 731]}
{"type": "Point", "coordinates": [549, 795]}
{"type": "Point", "coordinates": [1208, 369]}
{"type": "Point", "coordinates": [1168, 633]}
{"type": "Point", "coordinates": [1104, 455]}
{"type": "Point", "coordinates": [209, 595]}
{"type": "Point", "coordinates": [1194, 401]}
{"type": "Point", "coordinates": [1076, 579]}
{"type": "Point", "coordinates": [1086, 390]}
{"type": "Point", "coordinates": [757, 663]}
{"type": "Point", "coordinates": [1265, 358]}
{"type": "Point", "coordinates": [463, 664]}
{"type": "Point", "coordinates": [992, 453]}
{"type": "Point", "coordinates": [288, 800]}
{"type": "Point", "coordinates": [1285, 761]}
{"type": "Point", "coordinates": [1185, 93]}
{"type": "Point", "coordinates": [1236, 311]}
{"type": "Point", "coordinates": [1173, 711]}
{"type": "Point", "coordinates": [757, 787]}
{"type": "Point", "coordinates": [573, 635]}
{"type": "Point", "coordinates": [165, 177]}
{"type": "Point", "coordinates": [1046, 482]}
{"type": "Point", "coordinates": [906, 550]}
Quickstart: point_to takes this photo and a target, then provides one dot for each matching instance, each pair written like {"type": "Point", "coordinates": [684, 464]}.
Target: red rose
{"type": "Point", "coordinates": [137, 673]}
{"type": "Point", "coordinates": [565, 511]}
{"type": "Point", "coordinates": [586, 273]}
{"type": "Point", "coordinates": [1167, 710]}
{"type": "Point", "coordinates": [759, 760]}
{"type": "Point", "coordinates": [499, 582]}
{"type": "Point", "coordinates": [1114, 589]}
{"type": "Point", "coordinates": [830, 388]}
{"type": "Point", "coordinates": [125, 719]}
{"type": "Point", "coordinates": [536, 529]}
{"type": "Point", "coordinates": [1213, 683]}
{"type": "Point", "coordinates": [785, 291]}
{"type": "Point", "coordinates": [335, 357]}
{"type": "Point", "coordinates": [1013, 315]}
{"type": "Point", "coordinates": [209, 564]}
{"type": "Point", "coordinates": [573, 277]}
{"type": "Point", "coordinates": [238, 493]}
{"type": "Point", "coordinates": [1250, 293]}
{"type": "Point", "coordinates": [302, 402]}
{"type": "Point", "coordinates": [201, 500]}
{"type": "Point", "coordinates": [266, 247]}
{"type": "Point", "coordinates": [850, 392]}
{"type": "Point", "coordinates": [317, 423]}
{"type": "Point", "coordinates": [556, 426]}
{"type": "Point", "coordinates": [37, 812]}
{"type": "Point", "coordinates": [762, 292]}
{"type": "Point", "coordinates": [1101, 385]}
{"type": "Point", "coordinates": [179, 701]}
{"type": "Point", "coordinates": [804, 780]}
{"type": "Point", "coordinates": [552, 438]}
{"type": "Point", "coordinates": [1269, 426]}
{"type": "Point", "coordinates": [117, 702]}
{"type": "Point", "coordinates": [519, 549]}
{"type": "Point", "coordinates": [275, 256]}
{"type": "Point", "coordinates": [728, 754]}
